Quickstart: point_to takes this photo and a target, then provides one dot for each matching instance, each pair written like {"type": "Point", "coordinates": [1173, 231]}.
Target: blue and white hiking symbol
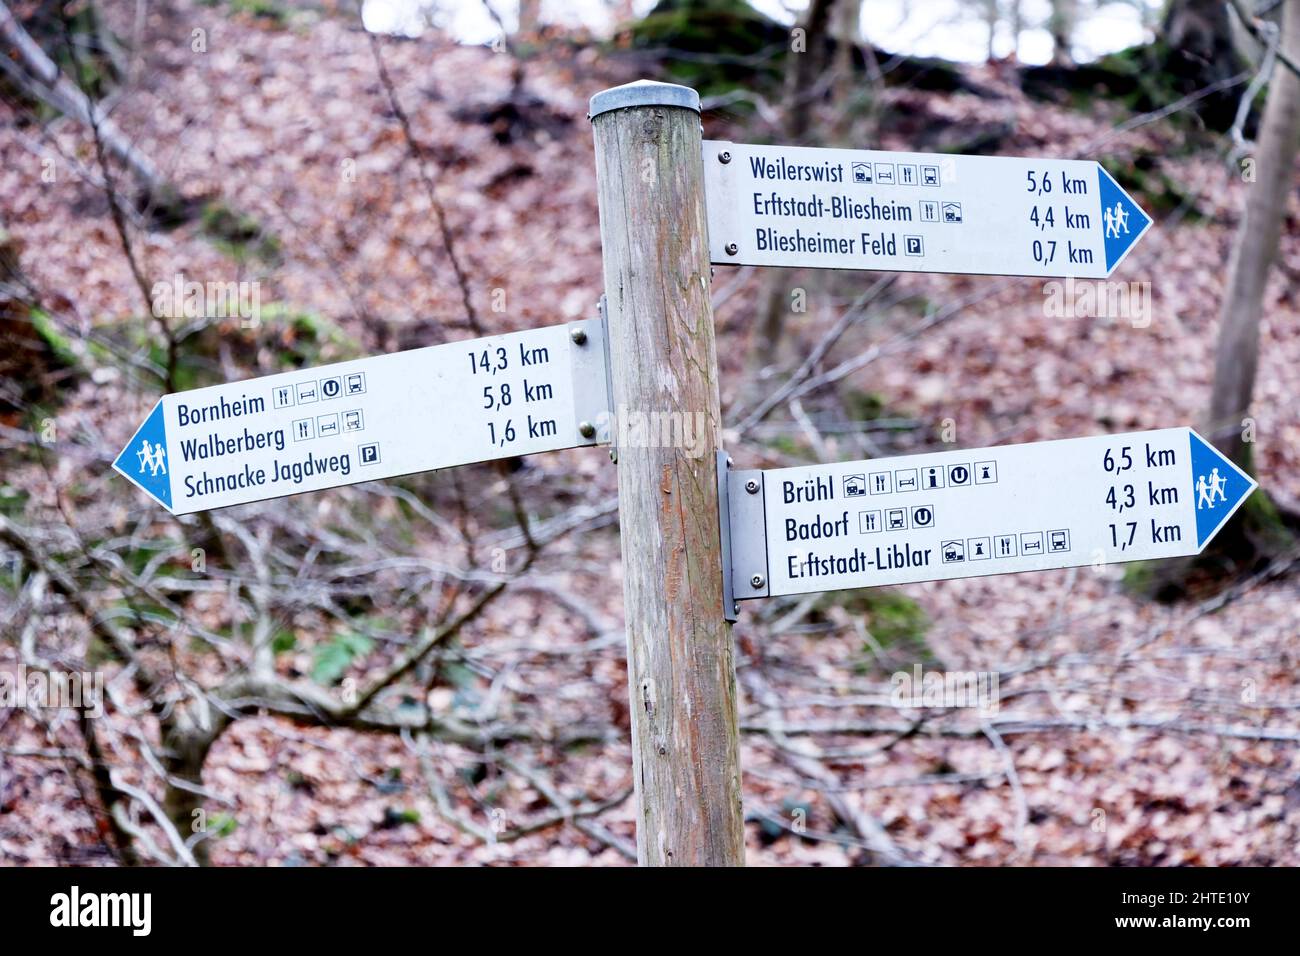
{"type": "Point", "coordinates": [1219, 487]}
{"type": "Point", "coordinates": [144, 460]}
{"type": "Point", "coordinates": [1208, 488]}
{"type": "Point", "coordinates": [155, 459]}
{"type": "Point", "coordinates": [1116, 221]}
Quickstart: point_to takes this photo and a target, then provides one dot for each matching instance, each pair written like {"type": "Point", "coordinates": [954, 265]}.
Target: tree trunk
{"type": "Point", "coordinates": [1254, 250]}
{"type": "Point", "coordinates": [848, 16]}
{"type": "Point", "coordinates": [802, 70]}
{"type": "Point", "coordinates": [1061, 26]}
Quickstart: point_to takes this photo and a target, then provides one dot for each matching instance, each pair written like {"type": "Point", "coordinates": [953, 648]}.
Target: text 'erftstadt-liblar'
{"type": "Point", "coordinates": [954, 514]}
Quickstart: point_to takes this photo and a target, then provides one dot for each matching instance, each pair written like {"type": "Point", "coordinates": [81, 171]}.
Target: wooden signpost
{"type": "Point", "coordinates": [680, 656]}
{"type": "Point", "coordinates": [696, 535]}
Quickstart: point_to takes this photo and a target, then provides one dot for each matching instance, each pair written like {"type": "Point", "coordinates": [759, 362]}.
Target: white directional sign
{"type": "Point", "coordinates": [378, 417]}
{"type": "Point", "coordinates": [915, 212]}
{"type": "Point", "coordinates": [957, 514]}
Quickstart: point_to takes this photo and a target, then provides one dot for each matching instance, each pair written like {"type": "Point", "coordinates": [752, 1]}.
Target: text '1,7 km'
{"type": "Point", "coordinates": [956, 514]}
{"type": "Point", "coordinates": [916, 212]}
{"type": "Point", "coordinates": [397, 414]}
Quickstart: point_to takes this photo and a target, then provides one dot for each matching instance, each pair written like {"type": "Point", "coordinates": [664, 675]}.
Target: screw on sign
{"type": "Point", "coordinates": [916, 212]}
{"type": "Point", "coordinates": [315, 429]}
{"type": "Point", "coordinates": [1029, 507]}
{"type": "Point", "coordinates": [793, 531]}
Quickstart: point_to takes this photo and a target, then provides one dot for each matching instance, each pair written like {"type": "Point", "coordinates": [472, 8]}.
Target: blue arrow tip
{"type": "Point", "coordinates": [146, 459]}
{"type": "Point", "coordinates": [1218, 488]}
{"type": "Point", "coordinates": [1122, 220]}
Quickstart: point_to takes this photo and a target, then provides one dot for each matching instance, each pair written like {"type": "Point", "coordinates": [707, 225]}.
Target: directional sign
{"type": "Point", "coordinates": [915, 212]}
{"type": "Point", "coordinates": [396, 414]}
{"type": "Point", "coordinates": [958, 514]}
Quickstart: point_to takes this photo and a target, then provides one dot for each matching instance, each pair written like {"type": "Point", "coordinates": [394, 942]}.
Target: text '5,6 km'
{"type": "Point", "coordinates": [916, 212]}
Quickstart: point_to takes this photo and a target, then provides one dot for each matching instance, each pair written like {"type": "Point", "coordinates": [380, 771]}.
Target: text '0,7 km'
{"type": "Point", "coordinates": [916, 212]}
{"type": "Point", "coordinates": [955, 514]}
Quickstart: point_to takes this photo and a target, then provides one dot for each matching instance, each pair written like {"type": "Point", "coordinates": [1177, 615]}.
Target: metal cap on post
{"type": "Point", "coordinates": [643, 93]}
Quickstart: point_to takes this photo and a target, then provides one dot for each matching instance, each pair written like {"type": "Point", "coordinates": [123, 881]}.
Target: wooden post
{"type": "Point", "coordinates": [680, 659]}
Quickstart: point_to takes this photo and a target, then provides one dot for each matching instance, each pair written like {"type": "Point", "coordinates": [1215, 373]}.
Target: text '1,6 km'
{"type": "Point", "coordinates": [396, 414]}
{"type": "Point", "coordinates": [957, 514]}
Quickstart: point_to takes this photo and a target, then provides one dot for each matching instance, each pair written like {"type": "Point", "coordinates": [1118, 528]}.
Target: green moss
{"type": "Point", "coordinates": [222, 825]}
{"type": "Point", "coordinates": [893, 619]}
{"type": "Point", "coordinates": [305, 338]}
{"type": "Point", "coordinates": [714, 46]}
{"type": "Point", "coordinates": [332, 659]}
{"type": "Point", "coordinates": [284, 641]}
{"type": "Point", "coordinates": [264, 9]}
{"type": "Point", "coordinates": [13, 501]}
{"type": "Point", "coordinates": [1160, 193]}
{"type": "Point", "coordinates": [791, 447]}
{"type": "Point", "coordinates": [1264, 521]}
{"type": "Point", "coordinates": [1139, 577]}
{"type": "Point", "coordinates": [863, 406]}
{"type": "Point", "coordinates": [138, 558]}
{"type": "Point", "coordinates": [238, 234]}
{"type": "Point", "coordinates": [293, 338]}
{"type": "Point", "coordinates": [395, 817]}
{"type": "Point", "coordinates": [58, 343]}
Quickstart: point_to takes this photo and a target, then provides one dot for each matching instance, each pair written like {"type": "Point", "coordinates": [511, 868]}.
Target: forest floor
{"type": "Point", "coordinates": [1129, 732]}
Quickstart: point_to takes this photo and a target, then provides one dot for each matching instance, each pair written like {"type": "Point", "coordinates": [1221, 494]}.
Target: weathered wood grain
{"type": "Point", "coordinates": [681, 667]}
